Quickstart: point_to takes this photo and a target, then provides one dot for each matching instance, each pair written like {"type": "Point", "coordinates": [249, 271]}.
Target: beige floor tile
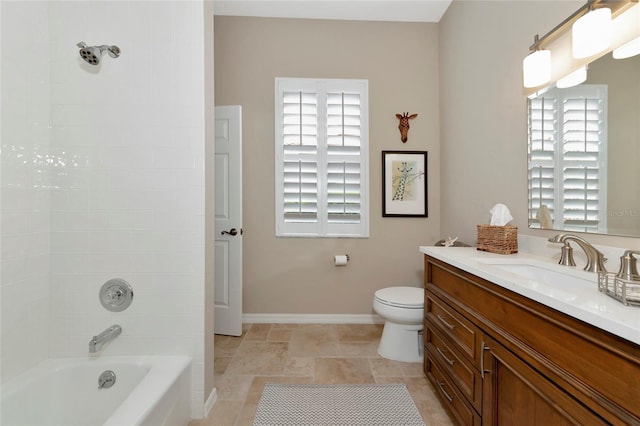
{"type": "Point", "coordinates": [359, 349]}
{"type": "Point", "coordinates": [256, 357]}
{"type": "Point", "coordinates": [412, 369]}
{"type": "Point", "coordinates": [381, 367]}
{"type": "Point", "coordinates": [232, 387]}
{"type": "Point", "coordinates": [258, 332]}
{"type": "Point", "coordinates": [220, 364]}
{"type": "Point", "coordinates": [226, 346]}
{"type": "Point", "coordinates": [315, 340]}
{"type": "Point", "coordinates": [359, 332]}
{"type": "Point", "coordinates": [300, 366]}
{"type": "Point", "coordinates": [343, 370]}
{"type": "Point", "coordinates": [279, 335]}
{"type": "Point", "coordinates": [286, 326]}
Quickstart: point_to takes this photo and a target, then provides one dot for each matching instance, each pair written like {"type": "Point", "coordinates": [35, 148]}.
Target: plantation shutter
{"type": "Point", "coordinates": [567, 131]}
{"type": "Point", "coordinates": [343, 158]}
{"type": "Point", "coordinates": [300, 151]}
{"type": "Point", "coordinates": [543, 134]}
{"type": "Point", "coordinates": [321, 158]}
{"type": "Point", "coordinates": [582, 165]}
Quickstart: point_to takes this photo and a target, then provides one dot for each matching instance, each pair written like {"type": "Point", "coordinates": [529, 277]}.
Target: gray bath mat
{"type": "Point", "coordinates": [336, 405]}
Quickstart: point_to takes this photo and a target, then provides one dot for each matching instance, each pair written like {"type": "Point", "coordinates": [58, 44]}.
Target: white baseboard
{"type": "Point", "coordinates": [311, 319]}
{"type": "Point", "coordinates": [209, 403]}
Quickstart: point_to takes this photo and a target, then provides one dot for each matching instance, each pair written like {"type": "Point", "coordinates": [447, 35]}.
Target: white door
{"type": "Point", "coordinates": [228, 208]}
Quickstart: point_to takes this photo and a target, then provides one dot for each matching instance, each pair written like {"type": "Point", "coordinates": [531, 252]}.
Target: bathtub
{"type": "Point", "coordinates": [149, 391]}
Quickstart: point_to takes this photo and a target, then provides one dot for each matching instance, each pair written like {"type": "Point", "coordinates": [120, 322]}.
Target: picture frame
{"type": "Point", "coordinates": [404, 184]}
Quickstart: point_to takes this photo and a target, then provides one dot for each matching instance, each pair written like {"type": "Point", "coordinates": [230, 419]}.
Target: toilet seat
{"type": "Point", "coordinates": [401, 297]}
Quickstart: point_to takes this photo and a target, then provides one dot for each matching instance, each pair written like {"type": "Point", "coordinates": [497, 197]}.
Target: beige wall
{"type": "Point", "coordinates": [621, 78]}
{"type": "Point", "coordinates": [400, 60]}
{"type": "Point", "coordinates": [483, 111]}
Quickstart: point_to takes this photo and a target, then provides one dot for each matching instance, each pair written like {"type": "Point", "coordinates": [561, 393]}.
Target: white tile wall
{"type": "Point", "coordinates": [124, 178]}
{"type": "Point", "coordinates": [25, 179]}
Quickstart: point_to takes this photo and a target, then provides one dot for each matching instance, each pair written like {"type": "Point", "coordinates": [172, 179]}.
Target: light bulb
{"type": "Point", "coordinates": [592, 33]}
{"type": "Point", "coordinates": [628, 49]}
{"type": "Point", "coordinates": [573, 79]}
{"type": "Point", "coordinates": [536, 68]}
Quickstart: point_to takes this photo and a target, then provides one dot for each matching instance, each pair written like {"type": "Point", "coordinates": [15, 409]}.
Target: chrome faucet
{"type": "Point", "coordinates": [595, 259]}
{"type": "Point", "coordinates": [96, 342]}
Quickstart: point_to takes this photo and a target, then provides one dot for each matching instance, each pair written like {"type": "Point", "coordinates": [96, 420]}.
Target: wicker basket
{"type": "Point", "coordinates": [498, 239]}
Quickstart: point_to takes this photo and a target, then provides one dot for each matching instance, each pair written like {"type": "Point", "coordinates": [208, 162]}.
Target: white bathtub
{"type": "Point", "coordinates": [149, 391]}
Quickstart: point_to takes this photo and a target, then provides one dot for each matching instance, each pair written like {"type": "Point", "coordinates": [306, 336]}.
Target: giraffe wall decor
{"type": "Point", "coordinates": [400, 182]}
{"type": "Point", "coordinates": [404, 125]}
{"type": "Point", "coordinates": [404, 183]}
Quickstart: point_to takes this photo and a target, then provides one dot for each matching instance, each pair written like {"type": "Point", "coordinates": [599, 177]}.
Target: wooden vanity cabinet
{"type": "Point", "coordinates": [516, 394]}
{"type": "Point", "coordinates": [499, 358]}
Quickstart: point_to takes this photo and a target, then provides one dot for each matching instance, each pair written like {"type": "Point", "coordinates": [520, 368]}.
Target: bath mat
{"type": "Point", "coordinates": [336, 405]}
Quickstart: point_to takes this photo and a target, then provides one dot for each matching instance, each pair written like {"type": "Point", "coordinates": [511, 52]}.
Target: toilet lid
{"type": "Point", "coordinates": [406, 297]}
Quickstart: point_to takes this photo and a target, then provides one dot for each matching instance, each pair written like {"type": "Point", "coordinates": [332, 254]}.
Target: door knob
{"type": "Point", "coordinates": [232, 231]}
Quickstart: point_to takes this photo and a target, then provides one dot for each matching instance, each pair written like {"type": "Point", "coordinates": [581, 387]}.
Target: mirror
{"type": "Point", "coordinates": [584, 152]}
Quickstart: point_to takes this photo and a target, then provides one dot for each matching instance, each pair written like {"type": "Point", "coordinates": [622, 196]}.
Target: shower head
{"type": "Point", "coordinates": [93, 54]}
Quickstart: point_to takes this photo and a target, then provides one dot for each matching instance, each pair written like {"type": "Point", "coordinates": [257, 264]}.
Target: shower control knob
{"type": "Point", "coordinates": [113, 296]}
{"type": "Point", "coordinates": [116, 295]}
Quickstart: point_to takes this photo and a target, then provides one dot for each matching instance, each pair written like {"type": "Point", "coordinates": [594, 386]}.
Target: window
{"type": "Point", "coordinates": [321, 145]}
{"type": "Point", "coordinates": [567, 157]}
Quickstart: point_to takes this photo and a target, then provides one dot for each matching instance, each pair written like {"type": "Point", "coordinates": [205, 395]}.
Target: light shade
{"type": "Point", "coordinates": [592, 33]}
{"type": "Point", "coordinates": [573, 79]}
{"type": "Point", "coordinates": [536, 68]}
{"type": "Point", "coordinates": [627, 50]}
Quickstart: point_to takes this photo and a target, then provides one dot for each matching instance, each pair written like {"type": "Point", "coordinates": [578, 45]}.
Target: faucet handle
{"type": "Point", "coordinates": [566, 256]}
{"type": "Point", "coordinates": [628, 268]}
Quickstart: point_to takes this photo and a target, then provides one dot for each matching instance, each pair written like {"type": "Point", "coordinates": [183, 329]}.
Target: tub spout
{"type": "Point", "coordinates": [96, 342]}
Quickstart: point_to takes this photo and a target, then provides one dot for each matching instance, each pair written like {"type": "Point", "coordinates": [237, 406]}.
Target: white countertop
{"type": "Point", "coordinates": [577, 295]}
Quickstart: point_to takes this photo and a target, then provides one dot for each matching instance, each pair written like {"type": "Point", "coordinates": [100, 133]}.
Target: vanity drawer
{"type": "Point", "coordinates": [454, 402]}
{"type": "Point", "coordinates": [465, 336]}
{"type": "Point", "coordinates": [459, 369]}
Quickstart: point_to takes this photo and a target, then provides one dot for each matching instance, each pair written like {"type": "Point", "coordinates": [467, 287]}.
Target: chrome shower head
{"type": "Point", "coordinates": [93, 54]}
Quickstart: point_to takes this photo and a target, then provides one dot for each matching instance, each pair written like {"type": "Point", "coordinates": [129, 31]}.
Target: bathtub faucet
{"type": "Point", "coordinates": [96, 342]}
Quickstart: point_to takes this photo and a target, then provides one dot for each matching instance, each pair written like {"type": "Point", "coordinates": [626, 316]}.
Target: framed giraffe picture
{"type": "Point", "coordinates": [404, 183]}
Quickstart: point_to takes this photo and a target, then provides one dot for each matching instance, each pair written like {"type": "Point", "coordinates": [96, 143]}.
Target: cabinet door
{"type": "Point", "coordinates": [516, 394]}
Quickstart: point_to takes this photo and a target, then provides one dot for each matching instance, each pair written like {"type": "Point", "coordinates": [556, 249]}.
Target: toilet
{"type": "Point", "coordinates": [403, 311]}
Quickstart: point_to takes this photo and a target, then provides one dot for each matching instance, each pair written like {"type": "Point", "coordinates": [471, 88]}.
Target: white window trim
{"type": "Point", "coordinates": [322, 228]}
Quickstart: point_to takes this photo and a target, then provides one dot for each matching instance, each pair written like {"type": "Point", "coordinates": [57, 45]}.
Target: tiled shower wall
{"type": "Point", "coordinates": [124, 179]}
{"type": "Point", "coordinates": [26, 172]}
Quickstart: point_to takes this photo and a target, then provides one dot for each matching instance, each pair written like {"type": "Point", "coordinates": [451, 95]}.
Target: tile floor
{"type": "Point", "coordinates": [307, 353]}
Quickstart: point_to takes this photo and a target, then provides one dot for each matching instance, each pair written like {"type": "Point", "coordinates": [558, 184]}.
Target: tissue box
{"type": "Point", "coordinates": [498, 239]}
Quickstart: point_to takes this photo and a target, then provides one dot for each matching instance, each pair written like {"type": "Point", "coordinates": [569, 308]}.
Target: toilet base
{"type": "Point", "coordinates": [401, 342]}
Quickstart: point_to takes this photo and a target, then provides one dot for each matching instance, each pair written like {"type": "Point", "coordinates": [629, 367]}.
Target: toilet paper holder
{"type": "Point", "coordinates": [341, 259]}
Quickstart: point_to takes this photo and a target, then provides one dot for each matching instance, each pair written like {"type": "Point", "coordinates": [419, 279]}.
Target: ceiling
{"type": "Point", "coordinates": [362, 10]}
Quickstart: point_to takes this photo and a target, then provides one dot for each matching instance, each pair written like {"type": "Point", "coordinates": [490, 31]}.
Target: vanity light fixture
{"type": "Point", "coordinates": [592, 32]}
{"type": "Point", "coordinates": [627, 50]}
{"type": "Point", "coordinates": [536, 67]}
{"type": "Point", "coordinates": [573, 79]}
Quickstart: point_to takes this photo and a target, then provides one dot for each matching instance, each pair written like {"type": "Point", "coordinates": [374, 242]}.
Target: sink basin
{"type": "Point", "coordinates": [559, 281]}
{"type": "Point", "coordinates": [534, 272]}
